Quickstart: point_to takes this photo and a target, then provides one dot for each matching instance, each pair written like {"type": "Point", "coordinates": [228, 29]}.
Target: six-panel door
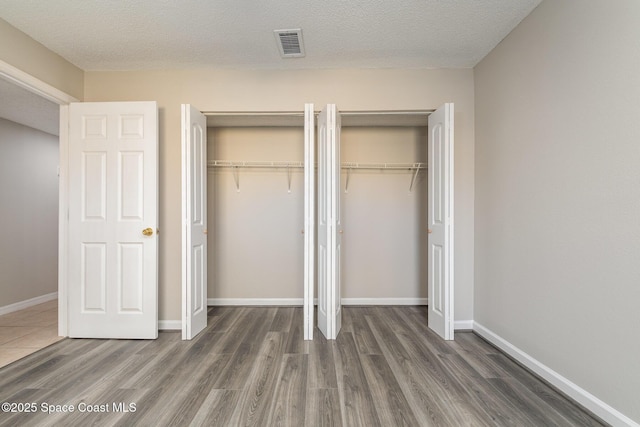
{"type": "Point", "coordinates": [113, 195]}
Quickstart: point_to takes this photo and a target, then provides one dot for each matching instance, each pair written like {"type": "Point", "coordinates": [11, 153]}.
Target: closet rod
{"type": "Point", "coordinates": [236, 165]}
{"type": "Point", "coordinates": [393, 166]}
{"type": "Point", "coordinates": [253, 113]}
{"type": "Point", "coordinates": [345, 165]}
{"type": "Point", "coordinates": [252, 164]}
{"type": "Point", "coordinates": [416, 167]}
{"type": "Point", "coordinates": [301, 113]}
{"type": "Point", "coordinates": [348, 166]}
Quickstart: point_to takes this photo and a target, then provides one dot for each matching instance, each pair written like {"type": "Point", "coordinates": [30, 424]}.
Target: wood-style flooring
{"type": "Point", "coordinates": [252, 367]}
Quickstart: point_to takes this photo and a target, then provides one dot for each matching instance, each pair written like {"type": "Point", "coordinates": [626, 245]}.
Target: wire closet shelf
{"type": "Point", "coordinates": [414, 167]}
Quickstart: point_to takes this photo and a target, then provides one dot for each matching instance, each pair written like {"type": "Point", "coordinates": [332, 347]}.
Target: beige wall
{"type": "Point", "coordinates": [384, 244]}
{"type": "Point", "coordinates": [23, 52]}
{"type": "Point", "coordinates": [255, 244]}
{"type": "Point", "coordinates": [276, 90]}
{"type": "Point", "coordinates": [28, 213]}
{"type": "Point", "coordinates": [558, 194]}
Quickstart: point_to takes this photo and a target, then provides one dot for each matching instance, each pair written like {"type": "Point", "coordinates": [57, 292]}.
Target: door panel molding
{"type": "Point", "coordinates": [112, 258]}
{"type": "Point", "coordinates": [329, 222]}
{"type": "Point", "coordinates": [440, 221]}
{"type": "Point", "coordinates": [194, 226]}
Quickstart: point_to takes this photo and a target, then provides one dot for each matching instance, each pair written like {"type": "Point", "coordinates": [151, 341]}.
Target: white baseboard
{"type": "Point", "coordinates": [463, 325]}
{"type": "Point", "coordinates": [27, 303]}
{"type": "Point", "coordinates": [580, 395]}
{"type": "Point", "coordinates": [300, 301]}
{"type": "Point", "coordinates": [169, 325]}
{"type": "Point", "coordinates": [384, 301]}
{"type": "Point", "coordinates": [255, 301]}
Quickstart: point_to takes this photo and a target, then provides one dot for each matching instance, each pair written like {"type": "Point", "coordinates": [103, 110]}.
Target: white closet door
{"type": "Point", "coordinates": [194, 229]}
{"type": "Point", "coordinates": [113, 216]}
{"type": "Point", "coordinates": [440, 220]}
{"type": "Point", "coordinates": [336, 232]}
{"type": "Point", "coordinates": [309, 219]}
{"type": "Point", "coordinates": [329, 222]}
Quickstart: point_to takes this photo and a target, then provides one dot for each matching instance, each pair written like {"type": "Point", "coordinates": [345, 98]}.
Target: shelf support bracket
{"type": "Point", "coordinates": [346, 185]}
{"type": "Point", "coordinates": [288, 178]}
{"type": "Point", "coordinates": [236, 178]}
{"type": "Point", "coordinates": [413, 178]}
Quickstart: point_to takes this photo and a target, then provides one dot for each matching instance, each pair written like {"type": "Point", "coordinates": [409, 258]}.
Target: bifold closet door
{"type": "Point", "coordinates": [309, 218]}
{"type": "Point", "coordinates": [329, 222]}
{"type": "Point", "coordinates": [194, 225]}
{"type": "Point", "coordinates": [440, 221]}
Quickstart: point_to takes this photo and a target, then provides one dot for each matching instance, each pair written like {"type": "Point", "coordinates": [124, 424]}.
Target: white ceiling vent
{"type": "Point", "coordinates": [290, 43]}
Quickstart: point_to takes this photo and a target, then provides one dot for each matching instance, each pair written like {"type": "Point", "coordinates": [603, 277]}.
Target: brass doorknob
{"type": "Point", "coordinates": [429, 231]}
{"type": "Point", "coordinates": [148, 231]}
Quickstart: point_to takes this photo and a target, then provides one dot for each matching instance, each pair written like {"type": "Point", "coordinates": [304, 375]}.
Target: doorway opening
{"type": "Point", "coordinates": [255, 214]}
{"type": "Point", "coordinates": [384, 214]}
{"type": "Point", "coordinates": [30, 151]}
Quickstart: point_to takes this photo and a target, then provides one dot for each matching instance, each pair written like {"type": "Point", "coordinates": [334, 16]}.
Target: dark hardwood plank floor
{"type": "Point", "coordinates": [251, 367]}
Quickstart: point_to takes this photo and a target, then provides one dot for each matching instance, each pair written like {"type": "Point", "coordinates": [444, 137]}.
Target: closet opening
{"type": "Point", "coordinates": [384, 209]}
{"type": "Point", "coordinates": [256, 208]}
{"type": "Point", "coordinates": [388, 237]}
{"type": "Point", "coordinates": [255, 197]}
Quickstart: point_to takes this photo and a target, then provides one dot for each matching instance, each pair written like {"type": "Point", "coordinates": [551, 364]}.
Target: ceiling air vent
{"type": "Point", "coordinates": [290, 43]}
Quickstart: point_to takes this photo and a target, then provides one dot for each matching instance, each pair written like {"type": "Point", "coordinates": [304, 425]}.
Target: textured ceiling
{"type": "Point", "coordinates": [147, 34]}
{"type": "Point", "coordinates": [153, 34]}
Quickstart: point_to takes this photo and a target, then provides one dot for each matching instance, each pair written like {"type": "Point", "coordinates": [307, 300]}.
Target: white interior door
{"type": "Point", "coordinates": [194, 229]}
{"type": "Point", "coordinates": [329, 222]}
{"type": "Point", "coordinates": [440, 220]}
{"type": "Point", "coordinates": [336, 232]}
{"type": "Point", "coordinates": [113, 219]}
{"type": "Point", "coordinates": [309, 219]}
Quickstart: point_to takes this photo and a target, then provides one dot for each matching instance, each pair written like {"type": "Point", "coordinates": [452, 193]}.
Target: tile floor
{"type": "Point", "coordinates": [27, 331]}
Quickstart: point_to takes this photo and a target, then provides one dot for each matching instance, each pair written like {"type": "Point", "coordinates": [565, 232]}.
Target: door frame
{"type": "Point", "coordinates": [36, 86]}
{"type": "Point", "coordinates": [407, 117]}
{"type": "Point", "coordinates": [414, 118]}
{"type": "Point", "coordinates": [309, 221]}
{"type": "Point", "coordinates": [282, 118]}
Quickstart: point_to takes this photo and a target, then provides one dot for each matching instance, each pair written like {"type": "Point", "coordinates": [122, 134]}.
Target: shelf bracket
{"type": "Point", "coordinates": [288, 178]}
{"type": "Point", "coordinates": [413, 178]}
{"type": "Point", "coordinates": [346, 185]}
{"type": "Point", "coordinates": [236, 178]}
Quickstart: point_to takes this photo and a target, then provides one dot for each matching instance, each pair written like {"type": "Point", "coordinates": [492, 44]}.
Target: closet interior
{"type": "Point", "coordinates": [256, 208]}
